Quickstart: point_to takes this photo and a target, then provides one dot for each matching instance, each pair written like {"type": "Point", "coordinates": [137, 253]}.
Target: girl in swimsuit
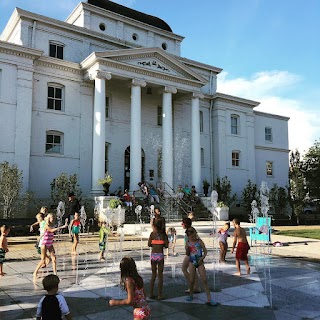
{"type": "Point", "coordinates": [223, 243]}
{"type": "Point", "coordinates": [133, 284]}
{"type": "Point", "coordinates": [74, 230]}
{"type": "Point", "coordinates": [47, 244]}
{"type": "Point", "coordinates": [197, 251]}
{"type": "Point", "coordinates": [158, 240]}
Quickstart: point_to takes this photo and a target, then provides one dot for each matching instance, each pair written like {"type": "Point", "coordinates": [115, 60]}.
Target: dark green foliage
{"type": "Point", "coordinates": [297, 189]}
{"type": "Point", "coordinates": [311, 171]}
{"type": "Point", "coordinates": [223, 187]}
{"type": "Point", "coordinates": [249, 193]}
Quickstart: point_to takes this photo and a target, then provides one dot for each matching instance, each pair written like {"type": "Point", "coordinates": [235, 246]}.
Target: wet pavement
{"type": "Point", "coordinates": [282, 284]}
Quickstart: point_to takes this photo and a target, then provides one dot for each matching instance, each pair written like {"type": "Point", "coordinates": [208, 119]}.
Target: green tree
{"type": "Point", "coordinates": [278, 199]}
{"type": "Point", "coordinates": [62, 185]}
{"type": "Point", "coordinates": [249, 193]}
{"type": "Point", "coordinates": [297, 189]}
{"type": "Point", "coordinates": [10, 188]}
{"type": "Point", "coordinates": [223, 187]}
{"type": "Point", "coordinates": [311, 171]}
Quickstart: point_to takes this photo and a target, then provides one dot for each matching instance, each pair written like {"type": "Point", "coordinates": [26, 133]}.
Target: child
{"type": "Point", "coordinates": [158, 240]}
{"type": "Point", "coordinates": [222, 237]}
{"type": "Point", "coordinates": [47, 244]}
{"type": "Point", "coordinates": [242, 247]}
{"type": "Point", "coordinates": [41, 223]}
{"type": "Point", "coordinates": [172, 238]}
{"type": "Point", "coordinates": [74, 230]}
{"type": "Point", "coordinates": [197, 251]}
{"type": "Point", "coordinates": [133, 284]}
{"type": "Point", "coordinates": [52, 305]}
{"type": "Point", "coordinates": [103, 234]}
{"type": "Point", "coordinates": [5, 229]}
{"type": "Point", "coordinates": [186, 224]}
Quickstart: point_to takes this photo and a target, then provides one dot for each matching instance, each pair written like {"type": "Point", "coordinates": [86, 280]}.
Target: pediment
{"type": "Point", "coordinates": [152, 59]}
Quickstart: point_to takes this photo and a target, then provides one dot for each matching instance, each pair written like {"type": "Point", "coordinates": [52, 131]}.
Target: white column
{"type": "Point", "coordinates": [23, 123]}
{"type": "Point", "coordinates": [135, 138]}
{"type": "Point", "coordinates": [195, 140]}
{"type": "Point", "coordinates": [99, 129]}
{"type": "Point", "coordinates": [167, 136]}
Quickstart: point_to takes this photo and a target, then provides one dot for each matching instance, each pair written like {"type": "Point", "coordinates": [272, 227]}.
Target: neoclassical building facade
{"type": "Point", "coordinates": [107, 90]}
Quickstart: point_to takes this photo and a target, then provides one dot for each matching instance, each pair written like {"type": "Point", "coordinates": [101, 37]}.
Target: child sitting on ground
{"type": "Point", "coordinates": [52, 305]}
{"type": "Point", "coordinates": [5, 229]}
{"type": "Point", "coordinates": [133, 284]}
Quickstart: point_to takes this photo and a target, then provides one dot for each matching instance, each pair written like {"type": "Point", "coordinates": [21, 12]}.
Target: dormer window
{"type": "Point", "coordinates": [56, 50]}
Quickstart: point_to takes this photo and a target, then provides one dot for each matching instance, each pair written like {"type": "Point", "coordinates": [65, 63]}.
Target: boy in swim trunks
{"type": "Point", "coordinates": [158, 240]}
{"type": "Point", "coordinates": [242, 247]}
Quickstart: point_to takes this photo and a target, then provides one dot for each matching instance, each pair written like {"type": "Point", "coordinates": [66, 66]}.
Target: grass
{"type": "Point", "coordinates": [303, 233]}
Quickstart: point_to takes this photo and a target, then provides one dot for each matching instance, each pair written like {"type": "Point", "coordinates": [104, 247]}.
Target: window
{"type": "Point", "coordinates": [269, 167]}
{"type": "Point", "coordinates": [55, 97]}
{"type": "Point", "coordinates": [56, 50]}
{"type": "Point", "coordinates": [164, 46]}
{"type": "Point", "coordinates": [135, 37]}
{"type": "Point", "coordinates": [201, 121]}
{"type": "Point", "coordinates": [106, 157]}
{"type": "Point", "coordinates": [202, 157]}
{"type": "Point", "coordinates": [159, 116]}
{"type": "Point", "coordinates": [159, 163]}
{"type": "Point", "coordinates": [268, 134]}
{"type": "Point", "coordinates": [54, 142]}
{"type": "Point", "coordinates": [235, 158]}
{"type": "Point", "coordinates": [107, 108]}
{"type": "Point", "coordinates": [234, 124]}
{"type": "Point", "coordinates": [102, 26]}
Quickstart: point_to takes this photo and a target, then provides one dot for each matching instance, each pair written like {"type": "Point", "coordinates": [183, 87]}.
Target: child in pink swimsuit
{"type": "Point", "coordinates": [158, 240]}
{"type": "Point", "coordinates": [133, 284]}
{"type": "Point", "coordinates": [47, 244]}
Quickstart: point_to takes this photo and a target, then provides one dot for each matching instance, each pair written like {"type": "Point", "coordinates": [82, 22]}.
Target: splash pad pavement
{"type": "Point", "coordinates": [278, 287]}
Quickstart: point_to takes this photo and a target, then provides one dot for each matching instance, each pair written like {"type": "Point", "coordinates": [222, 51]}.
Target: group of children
{"type": "Point", "coordinates": [159, 239]}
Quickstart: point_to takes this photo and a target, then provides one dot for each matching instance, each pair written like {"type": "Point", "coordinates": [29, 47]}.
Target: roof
{"type": "Point", "coordinates": [133, 14]}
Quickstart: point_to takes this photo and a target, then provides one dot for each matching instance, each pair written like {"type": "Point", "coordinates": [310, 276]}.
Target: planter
{"type": "Point", "coordinates": [205, 191]}
{"type": "Point", "coordinates": [106, 187]}
{"type": "Point", "coordinates": [222, 213]}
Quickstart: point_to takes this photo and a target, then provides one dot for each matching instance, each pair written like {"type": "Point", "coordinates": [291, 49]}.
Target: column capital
{"type": "Point", "coordinates": [169, 89]}
{"type": "Point", "coordinates": [138, 83]}
{"type": "Point", "coordinates": [197, 95]}
{"type": "Point", "coordinates": [100, 75]}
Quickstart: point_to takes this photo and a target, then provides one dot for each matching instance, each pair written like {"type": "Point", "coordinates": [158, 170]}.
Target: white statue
{"type": "Point", "coordinates": [60, 212]}
{"type": "Point", "coordinates": [214, 201]}
{"type": "Point", "coordinates": [264, 198]}
{"type": "Point", "coordinates": [254, 212]}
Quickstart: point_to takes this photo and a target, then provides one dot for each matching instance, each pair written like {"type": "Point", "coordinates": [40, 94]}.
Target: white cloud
{"type": "Point", "coordinates": [268, 88]}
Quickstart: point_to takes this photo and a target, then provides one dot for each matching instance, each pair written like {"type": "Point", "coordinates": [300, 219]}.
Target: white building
{"type": "Point", "coordinates": [108, 90]}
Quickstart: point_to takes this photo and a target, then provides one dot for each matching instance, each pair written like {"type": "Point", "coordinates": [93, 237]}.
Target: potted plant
{"type": "Point", "coordinates": [106, 182]}
{"type": "Point", "coordinates": [222, 211]}
{"type": "Point", "coordinates": [114, 203]}
{"type": "Point", "coordinates": [206, 186]}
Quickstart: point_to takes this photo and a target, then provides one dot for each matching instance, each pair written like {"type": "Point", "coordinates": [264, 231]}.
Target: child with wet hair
{"type": "Point", "coordinates": [53, 305]}
{"type": "Point", "coordinates": [133, 284]}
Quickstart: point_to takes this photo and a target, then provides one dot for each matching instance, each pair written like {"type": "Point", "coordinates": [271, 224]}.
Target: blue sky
{"type": "Point", "coordinates": [268, 49]}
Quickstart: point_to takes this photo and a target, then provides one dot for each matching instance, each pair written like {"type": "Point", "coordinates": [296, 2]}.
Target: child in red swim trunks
{"type": "Point", "coordinates": [242, 248]}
